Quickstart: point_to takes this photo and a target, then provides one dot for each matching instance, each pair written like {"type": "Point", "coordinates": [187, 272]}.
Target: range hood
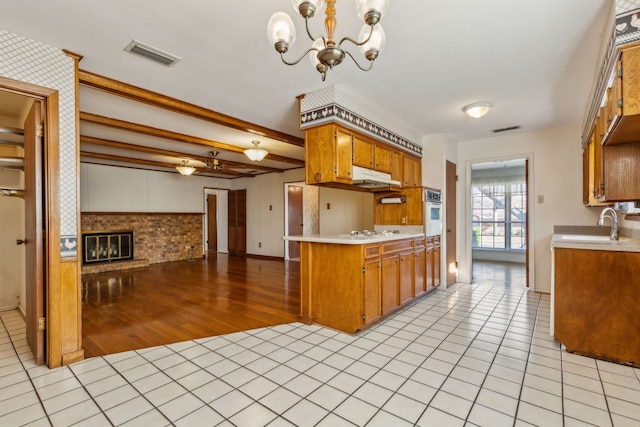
{"type": "Point", "coordinates": [368, 178]}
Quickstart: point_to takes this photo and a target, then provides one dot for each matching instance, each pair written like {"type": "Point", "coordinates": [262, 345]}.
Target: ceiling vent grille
{"type": "Point", "coordinates": [506, 129]}
{"type": "Point", "coordinates": [152, 53]}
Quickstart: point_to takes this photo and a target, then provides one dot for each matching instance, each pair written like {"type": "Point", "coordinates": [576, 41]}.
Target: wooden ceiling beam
{"type": "Point", "coordinates": [155, 99]}
{"type": "Point", "coordinates": [160, 164]}
{"type": "Point", "coordinates": [152, 150]}
{"type": "Point", "coordinates": [161, 133]}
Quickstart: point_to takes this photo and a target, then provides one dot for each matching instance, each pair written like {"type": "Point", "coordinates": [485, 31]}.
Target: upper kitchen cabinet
{"type": "Point", "coordinates": [611, 169]}
{"type": "Point", "coordinates": [622, 110]}
{"type": "Point", "coordinates": [328, 154]}
{"type": "Point", "coordinates": [412, 172]}
{"type": "Point", "coordinates": [371, 155]}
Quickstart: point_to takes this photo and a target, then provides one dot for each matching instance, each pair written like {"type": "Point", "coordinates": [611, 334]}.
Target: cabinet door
{"type": "Point", "coordinates": [419, 271]}
{"type": "Point", "coordinates": [405, 276]}
{"type": "Point", "coordinates": [382, 159]}
{"type": "Point", "coordinates": [343, 155]}
{"type": "Point", "coordinates": [436, 261]}
{"type": "Point", "coordinates": [390, 267]}
{"type": "Point", "coordinates": [397, 166]}
{"type": "Point", "coordinates": [429, 265]}
{"type": "Point", "coordinates": [362, 153]}
{"type": "Point", "coordinates": [371, 295]}
{"type": "Point", "coordinates": [598, 133]}
{"type": "Point", "coordinates": [412, 172]}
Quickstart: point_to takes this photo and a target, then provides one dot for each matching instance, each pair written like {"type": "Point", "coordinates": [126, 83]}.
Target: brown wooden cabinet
{"type": "Point", "coordinates": [419, 267]}
{"type": "Point", "coordinates": [382, 158]}
{"type": "Point", "coordinates": [411, 212]}
{"type": "Point", "coordinates": [412, 172]}
{"type": "Point", "coordinates": [328, 154]}
{"type": "Point", "coordinates": [432, 270]}
{"type": "Point", "coordinates": [436, 261]}
{"type": "Point", "coordinates": [596, 303]}
{"type": "Point", "coordinates": [369, 154]}
{"type": "Point", "coordinates": [349, 287]}
{"type": "Point", "coordinates": [397, 165]}
{"type": "Point", "coordinates": [611, 156]}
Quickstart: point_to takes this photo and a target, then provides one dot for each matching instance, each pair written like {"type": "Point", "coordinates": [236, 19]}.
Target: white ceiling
{"type": "Point", "coordinates": [535, 61]}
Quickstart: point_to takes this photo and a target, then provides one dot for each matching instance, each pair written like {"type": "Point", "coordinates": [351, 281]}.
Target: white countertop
{"type": "Point", "coordinates": [594, 243]}
{"type": "Point", "coordinates": [347, 239]}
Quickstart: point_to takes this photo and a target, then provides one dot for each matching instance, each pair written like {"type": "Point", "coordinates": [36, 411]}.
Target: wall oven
{"type": "Point", "coordinates": [432, 212]}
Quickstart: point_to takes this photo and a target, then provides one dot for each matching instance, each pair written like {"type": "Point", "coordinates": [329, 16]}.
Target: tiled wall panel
{"type": "Point", "coordinates": [32, 62]}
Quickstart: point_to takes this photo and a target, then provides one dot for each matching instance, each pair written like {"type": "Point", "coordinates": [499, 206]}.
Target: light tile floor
{"type": "Point", "coordinates": [471, 355]}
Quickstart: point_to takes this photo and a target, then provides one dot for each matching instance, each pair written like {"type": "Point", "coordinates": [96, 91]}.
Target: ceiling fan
{"type": "Point", "coordinates": [214, 163]}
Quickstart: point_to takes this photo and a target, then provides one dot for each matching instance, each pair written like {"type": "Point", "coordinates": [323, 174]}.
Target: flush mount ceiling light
{"type": "Point", "coordinates": [324, 53]}
{"type": "Point", "coordinates": [185, 169]}
{"type": "Point", "coordinates": [477, 109]}
{"type": "Point", "coordinates": [256, 154]}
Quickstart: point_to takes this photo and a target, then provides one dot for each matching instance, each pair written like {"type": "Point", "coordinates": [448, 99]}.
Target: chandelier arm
{"type": "Point", "coordinates": [299, 59]}
{"type": "Point", "coordinates": [306, 24]}
{"type": "Point", "coordinates": [357, 63]}
{"type": "Point", "coordinates": [355, 42]}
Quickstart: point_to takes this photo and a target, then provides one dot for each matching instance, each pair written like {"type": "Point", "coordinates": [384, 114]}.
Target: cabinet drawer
{"type": "Point", "coordinates": [396, 246]}
{"type": "Point", "coordinates": [372, 251]}
{"type": "Point", "coordinates": [419, 243]}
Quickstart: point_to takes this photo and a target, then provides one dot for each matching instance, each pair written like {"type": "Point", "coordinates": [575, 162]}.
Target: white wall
{"type": "Point", "coordinates": [555, 172]}
{"type": "Point", "coordinates": [120, 189]}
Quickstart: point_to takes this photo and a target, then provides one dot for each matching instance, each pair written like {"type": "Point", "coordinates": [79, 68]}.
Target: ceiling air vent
{"type": "Point", "coordinates": [506, 129]}
{"type": "Point", "coordinates": [152, 53]}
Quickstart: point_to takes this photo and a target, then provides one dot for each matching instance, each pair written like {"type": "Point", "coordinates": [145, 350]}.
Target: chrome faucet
{"type": "Point", "coordinates": [611, 214]}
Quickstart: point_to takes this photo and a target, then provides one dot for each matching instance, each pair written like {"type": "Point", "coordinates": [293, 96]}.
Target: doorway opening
{"type": "Point", "coordinates": [294, 221]}
{"type": "Point", "coordinates": [499, 221]}
{"type": "Point", "coordinates": [216, 222]}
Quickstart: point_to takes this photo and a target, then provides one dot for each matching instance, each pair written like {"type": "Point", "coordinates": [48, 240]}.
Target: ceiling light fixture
{"type": "Point", "coordinates": [324, 53]}
{"type": "Point", "coordinates": [256, 154]}
{"type": "Point", "coordinates": [477, 109]}
{"type": "Point", "coordinates": [185, 169]}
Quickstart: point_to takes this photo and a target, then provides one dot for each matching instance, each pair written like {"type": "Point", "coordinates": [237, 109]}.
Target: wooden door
{"type": "Point", "coordinates": [295, 224]}
{"type": "Point", "coordinates": [450, 224]}
{"type": "Point", "coordinates": [34, 236]}
{"type": "Point", "coordinates": [237, 222]}
{"type": "Point", "coordinates": [362, 153]}
{"type": "Point", "coordinates": [212, 222]}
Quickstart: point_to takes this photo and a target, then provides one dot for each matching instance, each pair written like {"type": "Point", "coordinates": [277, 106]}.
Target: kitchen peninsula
{"type": "Point", "coordinates": [348, 282]}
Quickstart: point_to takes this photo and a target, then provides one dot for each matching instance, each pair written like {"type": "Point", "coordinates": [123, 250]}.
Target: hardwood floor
{"type": "Point", "coordinates": [178, 301]}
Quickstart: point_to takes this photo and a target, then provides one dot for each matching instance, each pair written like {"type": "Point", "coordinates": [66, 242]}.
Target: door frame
{"type": "Point", "coordinates": [530, 225]}
{"type": "Point", "coordinates": [50, 247]}
{"type": "Point", "coordinates": [286, 212]}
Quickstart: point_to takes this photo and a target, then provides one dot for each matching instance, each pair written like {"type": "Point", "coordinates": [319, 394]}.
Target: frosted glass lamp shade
{"type": "Point", "coordinates": [364, 6]}
{"type": "Point", "coordinates": [281, 29]}
{"type": "Point", "coordinates": [477, 109]}
{"type": "Point", "coordinates": [255, 154]}
{"type": "Point", "coordinates": [377, 41]}
{"type": "Point", "coordinates": [185, 169]}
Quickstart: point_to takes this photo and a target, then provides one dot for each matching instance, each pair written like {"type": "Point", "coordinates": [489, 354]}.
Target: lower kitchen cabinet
{"type": "Point", "coordinates": [432, 261]}
{"type": "Point", "coordinates": [596, 303]}
{"type": "Point", "coordinates": [436, 261]}
{"type": "Point", "coordinates": [350, 286]}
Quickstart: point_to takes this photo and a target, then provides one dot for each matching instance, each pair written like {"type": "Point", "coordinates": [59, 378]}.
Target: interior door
{"type": "Point", "coordinates": [294, 211]}
{"type": "Point", "coordinates": [212, 223]}
{"type": "Point", "coordinates": [34, 248]}
{"type": "Point", "coordinates": [450, 200]}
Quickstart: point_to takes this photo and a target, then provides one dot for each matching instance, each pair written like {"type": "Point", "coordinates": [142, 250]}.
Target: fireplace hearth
{"type": "Point", "coordinates": [107, 246]}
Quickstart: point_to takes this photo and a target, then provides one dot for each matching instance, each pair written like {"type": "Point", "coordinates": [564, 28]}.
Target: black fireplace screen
{"type": "Point", "coordinates": [107, 247]}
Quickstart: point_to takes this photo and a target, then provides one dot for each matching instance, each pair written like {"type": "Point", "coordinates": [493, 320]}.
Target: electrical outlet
{"type": "Point", "coordinates": [259, 244]}
{"type": "Point", "coordinates": [540, 198]}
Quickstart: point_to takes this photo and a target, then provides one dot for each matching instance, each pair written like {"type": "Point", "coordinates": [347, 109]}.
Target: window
{"type": "Point", "coordinates": [499, 208]}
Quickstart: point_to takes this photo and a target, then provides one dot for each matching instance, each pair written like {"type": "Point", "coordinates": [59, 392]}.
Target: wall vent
{"type": "Point", "coordinates": [152, 53]}
{"type": "Point", "coordinates": [506, 129]}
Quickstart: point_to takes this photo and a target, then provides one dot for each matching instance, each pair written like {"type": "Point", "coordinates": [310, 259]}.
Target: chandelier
{"type": "Point", "coordinates": [324, 52]}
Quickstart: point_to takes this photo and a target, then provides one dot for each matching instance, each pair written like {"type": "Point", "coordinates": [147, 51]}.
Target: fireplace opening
{"type": "Point", "coordinates": [107, 246]}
